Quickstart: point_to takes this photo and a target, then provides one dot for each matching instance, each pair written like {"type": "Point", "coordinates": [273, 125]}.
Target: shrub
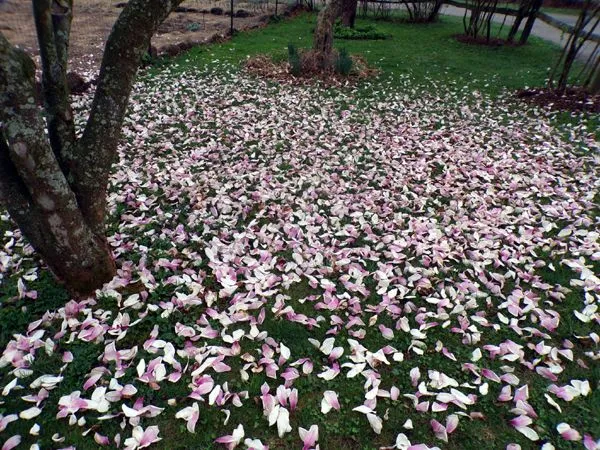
{"type": "Point", "coordinates": [368, 32]}
{"type": "Point", "coordinates": [479, 24]}
{"type": "Point", "coordinates": [294, 60]}
{"type": "Point", "coordinates": [194, 26]}
{"type": "Point", "coordinates": [343, 62]}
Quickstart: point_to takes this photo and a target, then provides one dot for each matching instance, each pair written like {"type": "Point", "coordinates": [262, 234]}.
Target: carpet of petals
{"type": "Point", "coordinates": [435, 251]}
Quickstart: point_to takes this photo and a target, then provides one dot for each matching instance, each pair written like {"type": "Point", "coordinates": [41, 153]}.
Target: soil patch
{"type": "Point", "coordinates": [264, 66]}
{"type": "Point", "coordinates": [481, 40]}
{"type": "Point", "coordinates": [93, 20]}
{"type": "Point", "coordinates": [574, 99]}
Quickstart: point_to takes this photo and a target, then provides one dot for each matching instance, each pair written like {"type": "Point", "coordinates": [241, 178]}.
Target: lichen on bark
{"type": "Point", "coordinates": [53, 185]}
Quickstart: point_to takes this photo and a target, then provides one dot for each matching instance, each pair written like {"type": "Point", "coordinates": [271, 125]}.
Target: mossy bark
{"type": "Point", "coordinates": [35, 190]}
{"type": "Point", "coordinates": [55, 187]}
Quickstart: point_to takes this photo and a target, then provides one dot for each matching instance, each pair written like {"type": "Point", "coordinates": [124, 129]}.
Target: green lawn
{"type": "Point", "coordinates": [426, 52]}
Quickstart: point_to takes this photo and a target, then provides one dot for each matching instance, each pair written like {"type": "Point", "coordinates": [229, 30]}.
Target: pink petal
{"type": "Point", "coordinates": [12, 442]}
{"type": "Point", "coordinates": [439, 430]}
{"type": "Point", "coordinates": [332, 399]}
{"type": "Point", "coordinates": [150, 436]}
{"type": "Point", "coordinates": [451, 423]}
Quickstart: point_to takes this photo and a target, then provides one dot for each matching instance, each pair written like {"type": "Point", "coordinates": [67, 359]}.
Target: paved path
{"type": "Point", "coordinates": [540, 29]}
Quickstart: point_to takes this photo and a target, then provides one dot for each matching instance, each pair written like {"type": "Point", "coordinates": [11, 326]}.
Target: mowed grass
{"type": "Point", "coordinates": [432, 57]}
{"type": "Point", "coordinates": [427, 52]}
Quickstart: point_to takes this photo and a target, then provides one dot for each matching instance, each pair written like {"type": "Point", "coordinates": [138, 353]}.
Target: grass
{"type": "Point", "coordinates": [419, 50]}
{"type": "Point", "coordinates": [428, 53]}
{"type": "Point", "coordinates": [431, 56]}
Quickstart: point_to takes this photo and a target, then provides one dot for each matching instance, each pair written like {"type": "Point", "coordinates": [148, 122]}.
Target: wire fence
{"type": "Point", "coordinates": [94, 18]}
{"type": "Point", "coordinates": [198, 20]}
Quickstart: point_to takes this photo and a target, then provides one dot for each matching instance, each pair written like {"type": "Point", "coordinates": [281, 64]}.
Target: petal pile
{"type": "Point", "coordinates": [291, 258]}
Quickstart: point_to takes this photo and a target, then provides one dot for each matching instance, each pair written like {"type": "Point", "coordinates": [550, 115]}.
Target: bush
{"type": "Point", "coordinates": [294, 60]}
{"type": "Point", "coordinates": [368, 32]}
{"type": "Point", "coordinates": [343, 62]}
{"type": "Point", "coordinates": [479, 24]}
{"type": "Point", "coordinates": [194, 26]}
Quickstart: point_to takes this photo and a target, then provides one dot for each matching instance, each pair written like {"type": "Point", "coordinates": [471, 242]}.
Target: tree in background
{"type": "Point", "coordinates": [479, 22]}
{"type": "Point", "coordinates": [52, 183]}
{"type": "Point", "coordinates": [349, 12]}
{"type": "Point", "coordinates": [323, 37]}
{"type": "Point", "coordinates": [592, 84]}
{"type": "Point", "coordinates": [587, 24]}
{"type": "Point", "coordinates": [528, 9]}
{"type": "Point", "coordinates": [422, 11]}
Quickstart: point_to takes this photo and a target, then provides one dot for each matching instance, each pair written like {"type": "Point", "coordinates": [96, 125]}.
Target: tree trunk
{"type": "Point", "coordinates": [535, 7]}
{"type": "Point", "coordinates": [323, 38]}
{"type": "Point", "coordinates": [35, 190]}
{"type": "Point", "coordinates": [564, 76]}
{"type": "Point", "coordinates": [593, 85]}
{"type": "Point", "coordinates": [488, 23]}
{"type": "Point", "coordinates": [349, 12]}
{"type": "Point", "coordinates": [590, 18]}
{"type": "Point", "coordinates": [515, 28]}
{"type": "Point", "coordinates": [55, 187]}
{"type": "Point", "coordinates": [435, 11]}
{"type": "Point", "coordinates": [521, 13]}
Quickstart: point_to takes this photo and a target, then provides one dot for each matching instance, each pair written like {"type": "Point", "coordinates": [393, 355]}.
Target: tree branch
{"type": "Point", "coordinates": [16, 199]}
{"type": "Point", "coordinates": [53, 44]}
{"type": "Point", "coordinates": [62, 15]}
{"type": "Point", "coordinates": [13, 192]}
{"type": "Point", "coordinates": [97, 149]}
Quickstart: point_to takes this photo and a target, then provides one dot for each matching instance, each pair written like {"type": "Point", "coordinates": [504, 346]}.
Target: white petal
{"type": "Point", "coordinates": [30, 413]}
{"type": "Point", "coordinates": [376, 423]}
{"type": "Point", "coordinates": [283, 422]}
{"type": "Point", "coordinates": [529, 433]}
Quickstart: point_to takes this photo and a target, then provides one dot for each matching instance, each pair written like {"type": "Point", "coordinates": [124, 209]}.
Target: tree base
{"type": "Point", "coordinates": [482, 40]}
{"type": "Point", "coordinates": [82, 267]}
{"type": "Point", "coordinates": [263, 66]}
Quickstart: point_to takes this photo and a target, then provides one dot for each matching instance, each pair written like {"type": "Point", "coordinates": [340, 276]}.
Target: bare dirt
{"type": "Point", "coordinates": [93, 20]}
{"type": "Point", "coordinates": [573, 99]}
{"type": "Point", "coordinates": [263, 66]}
{"type": "Point", "coordinates": [482, 40]}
